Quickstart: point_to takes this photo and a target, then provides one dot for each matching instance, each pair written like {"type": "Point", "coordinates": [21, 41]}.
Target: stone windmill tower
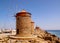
{"type": "Point", "coordinates": [24, 24]}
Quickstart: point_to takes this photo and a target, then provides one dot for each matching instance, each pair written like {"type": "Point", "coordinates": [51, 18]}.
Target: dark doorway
{"type": "Point", "coordinates": [17, 31]}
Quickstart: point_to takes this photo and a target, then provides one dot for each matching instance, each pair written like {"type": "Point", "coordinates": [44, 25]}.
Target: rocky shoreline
{"type": "Point", "coordinates": [42, 37]}
{"type": "Point", "coordinates": [48, 37]}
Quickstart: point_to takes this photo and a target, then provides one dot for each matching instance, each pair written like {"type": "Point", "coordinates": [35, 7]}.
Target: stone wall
{"type": "Point", "coordinates": [23, 24]}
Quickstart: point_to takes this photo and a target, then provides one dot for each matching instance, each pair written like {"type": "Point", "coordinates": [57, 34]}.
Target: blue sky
{"type": "Point", "coordinates": [45, 13]}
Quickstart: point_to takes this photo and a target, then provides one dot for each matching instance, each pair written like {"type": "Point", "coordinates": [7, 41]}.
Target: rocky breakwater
{"type": "Point", "coordinates": [45, 36]}
{"type": "Point", "coordinates": [42, 37]}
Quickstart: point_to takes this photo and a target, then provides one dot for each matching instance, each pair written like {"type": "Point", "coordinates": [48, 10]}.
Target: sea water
{"type": "Point", "coordinates": [56, 32]}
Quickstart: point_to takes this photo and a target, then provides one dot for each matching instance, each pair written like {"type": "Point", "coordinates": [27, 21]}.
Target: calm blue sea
{"type": "Point", "coordinates": [56, 32]}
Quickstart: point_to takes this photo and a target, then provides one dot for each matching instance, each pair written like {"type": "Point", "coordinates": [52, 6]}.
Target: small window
{"type": "Point", "coordinates": [17, 18]}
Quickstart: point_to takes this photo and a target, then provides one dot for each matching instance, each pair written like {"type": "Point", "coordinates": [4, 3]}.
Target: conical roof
{"type": "Point", "coordinates": [23, 13]}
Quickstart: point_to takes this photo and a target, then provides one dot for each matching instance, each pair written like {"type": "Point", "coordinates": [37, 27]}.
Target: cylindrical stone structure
{"type": "Point", "coordinates": [32, 27]}
{"type": "Point", "coordinates": [23, 23]}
